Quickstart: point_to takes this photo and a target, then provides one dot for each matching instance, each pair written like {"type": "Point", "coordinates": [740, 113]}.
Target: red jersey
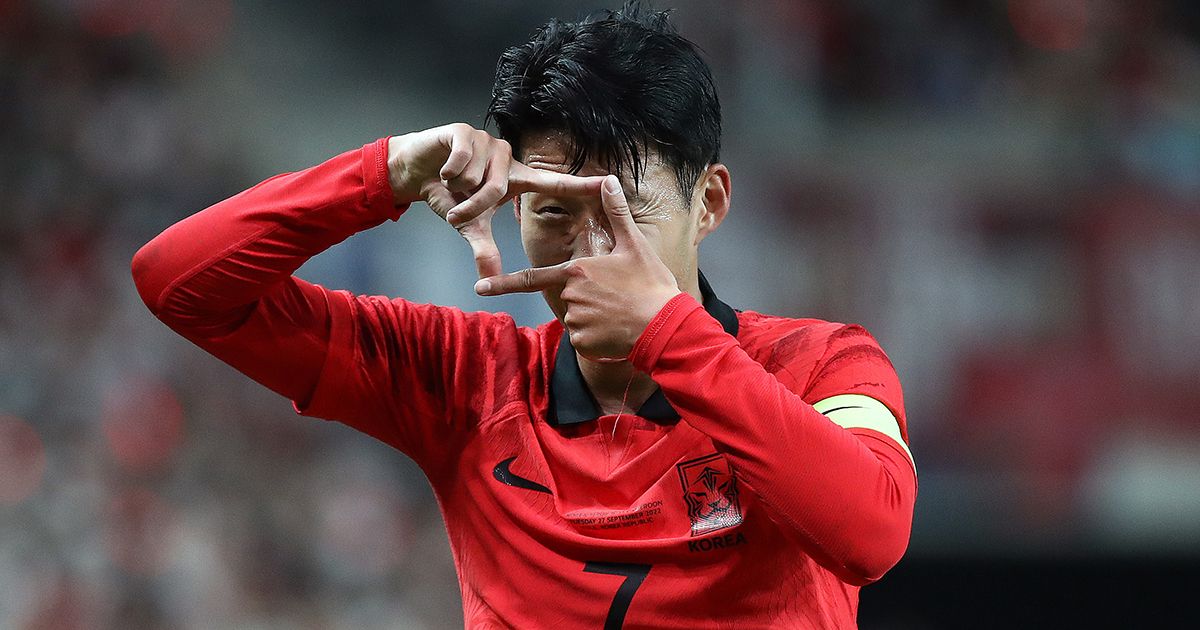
{"type": "Point", "coordinates": [728, 501]}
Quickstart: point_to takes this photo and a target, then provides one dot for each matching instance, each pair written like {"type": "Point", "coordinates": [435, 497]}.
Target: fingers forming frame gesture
{"type": "Point", "coordinates": [609, 298]}
{"type": "Point", "coordinates": [626, 236]}
{"type": "Point", "coordinates": [465, 174]}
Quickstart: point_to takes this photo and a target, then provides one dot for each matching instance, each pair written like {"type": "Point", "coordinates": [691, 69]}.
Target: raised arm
{"type": "Point", "coordinates": [222, 277]}
{"type": "Point", "coordinates": [837, 473]}
{"type": "Point", "coordinates": [206, 276]}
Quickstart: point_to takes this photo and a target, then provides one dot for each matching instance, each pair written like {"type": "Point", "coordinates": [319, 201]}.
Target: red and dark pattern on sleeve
{"type": "Point", "coordinates": [401, 372]}
{"type": "Point", "coordinates": [848, 496]}
{"type": "Point", "coordinates": [854, 363]}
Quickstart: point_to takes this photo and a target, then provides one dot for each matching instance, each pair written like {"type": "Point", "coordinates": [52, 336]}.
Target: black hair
{"type": "Point", "coordinates": [616, 83]}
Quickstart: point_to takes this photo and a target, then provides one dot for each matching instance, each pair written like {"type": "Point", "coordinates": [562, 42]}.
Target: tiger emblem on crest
{"type": "Point", "coordinates": [711, 493]}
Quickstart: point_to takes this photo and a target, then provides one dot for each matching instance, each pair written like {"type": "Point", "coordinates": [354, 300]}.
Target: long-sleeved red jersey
{"type": "Point", "coordinates": [728, 501]}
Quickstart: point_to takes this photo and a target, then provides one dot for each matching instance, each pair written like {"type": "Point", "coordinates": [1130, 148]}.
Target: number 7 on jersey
{"type": "Point", "coordinates": [634, 575]}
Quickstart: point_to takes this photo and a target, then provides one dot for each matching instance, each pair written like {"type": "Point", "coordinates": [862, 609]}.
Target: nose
{"type": "Point", "coordinates": [594, 239]}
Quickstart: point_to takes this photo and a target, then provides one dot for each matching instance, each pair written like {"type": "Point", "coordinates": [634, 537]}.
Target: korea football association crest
{"type": "Point", "coordinates": [711, 493]}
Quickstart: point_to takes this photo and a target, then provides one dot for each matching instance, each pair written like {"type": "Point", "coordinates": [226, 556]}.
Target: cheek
{"type": "Point", "coordinates": [544, 244]}
{"type": "Point", "coordinates": [599, 240]}
{"type": "Point", "coordinates": [673, 245]}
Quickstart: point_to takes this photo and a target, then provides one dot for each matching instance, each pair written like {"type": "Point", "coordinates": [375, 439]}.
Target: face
{"type": "Point", "coordinates": [554, 230]}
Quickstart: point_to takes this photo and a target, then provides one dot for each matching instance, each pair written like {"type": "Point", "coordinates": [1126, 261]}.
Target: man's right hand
{"type": "Point", "coordinates": [465, 174]}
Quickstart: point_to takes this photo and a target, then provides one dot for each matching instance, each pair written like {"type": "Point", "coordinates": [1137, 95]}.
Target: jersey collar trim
{"type": "Point", "coordinates": [572, 403]}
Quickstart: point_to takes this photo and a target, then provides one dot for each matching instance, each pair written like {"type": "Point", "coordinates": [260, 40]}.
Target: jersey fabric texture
{"type": "Point", "coordinates": [727, 501]}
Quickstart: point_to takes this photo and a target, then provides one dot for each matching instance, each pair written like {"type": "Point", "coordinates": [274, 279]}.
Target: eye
{"type": "Point", "coordinates": [551, 212]}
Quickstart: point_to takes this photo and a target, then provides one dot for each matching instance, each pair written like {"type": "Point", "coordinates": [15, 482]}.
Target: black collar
{"type": "Point", "coordinates": [570, 400]}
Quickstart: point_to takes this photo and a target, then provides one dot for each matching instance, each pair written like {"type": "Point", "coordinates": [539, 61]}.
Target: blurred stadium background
{"type": "Point", "coordinates": [1006, 193]}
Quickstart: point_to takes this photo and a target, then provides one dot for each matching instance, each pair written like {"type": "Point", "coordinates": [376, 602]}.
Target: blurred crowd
{"type": "Point", "coordinates": [1007, 194]}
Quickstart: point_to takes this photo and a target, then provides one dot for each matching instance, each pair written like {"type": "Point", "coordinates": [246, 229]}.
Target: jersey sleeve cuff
{"type": "Point", "coordinates": [380, 198]}
{"type": "Point", "coordinates": [650, 345]}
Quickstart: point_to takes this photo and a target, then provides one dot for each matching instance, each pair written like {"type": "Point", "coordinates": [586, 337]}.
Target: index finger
{"type": "Point", "coordinates": [523, 179]}
{"type": "Point", "coordinates": [525, 280]}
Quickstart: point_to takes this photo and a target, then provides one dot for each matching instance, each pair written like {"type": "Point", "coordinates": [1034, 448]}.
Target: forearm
{"type": "Point", "coordinates": [850, 497]}
{"type": "Point", "coordinates": [203, 275]}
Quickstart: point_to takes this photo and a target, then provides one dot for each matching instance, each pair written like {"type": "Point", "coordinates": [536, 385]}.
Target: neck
{"type": "Point", "coordinates": [617, 387]}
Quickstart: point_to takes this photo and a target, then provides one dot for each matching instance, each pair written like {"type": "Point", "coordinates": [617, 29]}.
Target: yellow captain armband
{"type": "Point", "coordinates": [856, 411]}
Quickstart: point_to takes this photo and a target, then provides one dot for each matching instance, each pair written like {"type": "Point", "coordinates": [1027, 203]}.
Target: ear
{"type": "Point", "coordinates": [517, 208]}
{"type": "Point", "coordinates": [710, 202]}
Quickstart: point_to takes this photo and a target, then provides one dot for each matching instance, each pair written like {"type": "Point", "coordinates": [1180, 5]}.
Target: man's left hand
{"type": "Point", "coordinates": [611, 298]}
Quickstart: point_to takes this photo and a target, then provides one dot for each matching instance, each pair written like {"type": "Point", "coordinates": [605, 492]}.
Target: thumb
{"type": "Point", "coordinates": [617, 209]}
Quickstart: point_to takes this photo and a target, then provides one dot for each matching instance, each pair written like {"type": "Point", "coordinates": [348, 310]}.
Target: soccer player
{"type": "Point", "coordinates": [652, 457]}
